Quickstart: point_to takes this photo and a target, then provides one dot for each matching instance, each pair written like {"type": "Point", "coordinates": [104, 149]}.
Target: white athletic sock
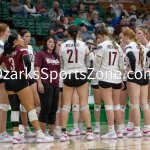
{"type": "Point", "coordinates": [58, 127]}
{"type": "Point", "coordinates": [76, 126]}
{"type": "Point", "coordinates": [97, 124]}
{"type": "Point", "coordinates": [146, 128]}
{"type": "Point", "coordinates": [80, 125]}
{"type": "Point", "coordinates": [26, 128]}
{"type": "Point", "coordinates": [16, 134]}
{"type": "Point", "coordinates": [136, 128]}
{"type": "Point", "coordinates": [120, 127]}
{"type": "Point", "coordinates": [130, 125]}
{"type": "Point", "coordinates": [111, 128]}
{"type": "Point", "coordinates": [40, 133]}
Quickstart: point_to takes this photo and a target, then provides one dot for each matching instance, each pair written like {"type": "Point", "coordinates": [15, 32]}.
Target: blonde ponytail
{"type": "Point", "coordinates": [141, 51]}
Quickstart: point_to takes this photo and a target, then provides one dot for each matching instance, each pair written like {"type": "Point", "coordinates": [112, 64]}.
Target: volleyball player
{"type": "Point", "coordinates": [73, 53]}
{"type": "Point", "coordinates": [26, 36]}
{"type": "Point", "coordinates": [95, 87]}
{"type": "Point", "coordinates": [137, 82]}
{"type": "Point", "coordinates": [15, 57]}
{"type": "Point", "coordinates": [142, 32]}
{"type": "Point", "coordinates": [57, 130]}
{"type": "Point", "coordinates": [4, 136]}
{"type": "Point", "coordinates": [109, 59]}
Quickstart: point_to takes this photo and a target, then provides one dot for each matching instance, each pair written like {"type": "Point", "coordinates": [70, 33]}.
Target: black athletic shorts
{"type": "Point", "coordinates": [95, 86]}
{"type": "Point", "coordinates": [105, 85]}
{"type": "Point", "coordinates": [125, 86]}
{"type": "Point", "coordinates": [31, 81]}
{"type": "Point", "coordinates": [16, 85]}
{"type": "Point", "coordinates": [140, 78]}
{"type": "Point", "coordinates": [75, 80]}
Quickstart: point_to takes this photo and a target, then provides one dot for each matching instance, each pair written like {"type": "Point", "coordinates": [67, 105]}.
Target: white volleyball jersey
{"type": "Point", "coordinates": [133, 47]}
{"type": "Point", "coordinates": [32, 57]}
{"type": "Point", "coordinates": [1, 47]}
{"type": "Point", "coordinates": [73, 59]}
{"type": "Point", "coordinates": [1, 51]}
{"type": "Point", "coordinates": [125, 67]}
{"type": "Point", "coordinates": [109, 70]}
{"type": "Point", "coordinates": [147, 58]}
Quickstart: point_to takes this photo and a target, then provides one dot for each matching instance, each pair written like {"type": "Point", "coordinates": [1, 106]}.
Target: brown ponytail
{"type": "Point", "coordinates": [141, 51]}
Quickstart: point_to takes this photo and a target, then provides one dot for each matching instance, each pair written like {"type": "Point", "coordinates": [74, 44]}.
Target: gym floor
{"type": "Point", "coordinates": [79, 143]}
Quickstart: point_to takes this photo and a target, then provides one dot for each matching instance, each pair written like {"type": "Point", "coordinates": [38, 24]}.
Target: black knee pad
{"type": "Point", "coordinates": [14, 102]}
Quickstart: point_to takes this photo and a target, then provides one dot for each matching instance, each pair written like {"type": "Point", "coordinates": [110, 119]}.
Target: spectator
{"type": "Point", "coordinates": [55, 12]}
{"type": "Point", "coordinates": [147, 19]}
{"type": "Point", "coordinates": [66, 22]}
{"type": "Point", "coordinates": [40, 8]}
{"type": "Point", "coordinates": [120, 26]}
{"type": "Point", "coordinates": [90, 12]}
{"type": "Point", "coordinates": [84, 33]}
{"type": "Point", "coordinates": [115, 6]}
{"type": "Point", "coordinates": [16, 7]}
{"type": "Point", "coordinates": [120, 9]}
{"type": "Point", "coordinates": [139, 20]}
{"type": "Point", "coordinates": [82, 8]}
{"type": "Point", "coordinates": [57, 29]}
{"type": "Point", "coordinates": [80, 19]}
{"type": "Point", "coordinates": [132, 11]}
{"type": "Point", "coordinates": [110, 16]}
{"type": "Point", "coordinates": [111, 30]}
{"type": "Point", "coordinates": [29, 8]}
{"type": "Point", "coordinates": [72, 13]}
{"type": "Point", "coordinates": [96, 21]}
{"type": "Point", "coordinates": [132, 24]}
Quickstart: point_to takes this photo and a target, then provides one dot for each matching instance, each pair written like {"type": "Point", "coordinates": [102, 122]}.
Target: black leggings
{"type": "Point", "coordinates": [49, 104]}
{"type": "Point", "coordinates": [15, 108]}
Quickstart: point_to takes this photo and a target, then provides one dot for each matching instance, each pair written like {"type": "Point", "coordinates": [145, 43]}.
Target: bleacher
{"type": "Point", "coordinates": [39, 25]}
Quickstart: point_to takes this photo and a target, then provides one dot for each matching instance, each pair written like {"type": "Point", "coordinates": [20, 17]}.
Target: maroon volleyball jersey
{"type": "Point", "coordinates": [14, 61]}
{"type": "Point", "coordinates": [49, 65]}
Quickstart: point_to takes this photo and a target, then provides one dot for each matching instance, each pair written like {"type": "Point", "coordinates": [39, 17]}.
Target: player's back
{"type": "Point", "coordinates": [74, 56]}
{"type": "Point", "coordinates": [110, 56]}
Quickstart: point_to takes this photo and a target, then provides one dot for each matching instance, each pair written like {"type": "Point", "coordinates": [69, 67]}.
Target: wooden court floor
{"type": "Point", "coordinates": [79, 143]}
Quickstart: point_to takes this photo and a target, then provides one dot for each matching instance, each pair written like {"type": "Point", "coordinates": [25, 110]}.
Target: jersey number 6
{"type": "Point", "coordinates": [71, 52]}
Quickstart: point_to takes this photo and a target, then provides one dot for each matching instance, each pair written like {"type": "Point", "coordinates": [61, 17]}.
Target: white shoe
{"type": "Point", "coordinates": [74, 132]}
{"type": "Point", "coordinates": [82, 131]}
{"type": "Point", "coordinates": [109, 135]}
{"type": "Point", "coordinates": [97, 130]}
{"type": "Point", "coordinates": [127, 130]}
{"type": "Point", "coordinates": [64, 137]}
{"type": "Point", "coordinates": [3, 139]}
{"type": "Point", "coordinates": [30, 134]}
{"type": "Point", "coordinates": [90, 136]}
{"type": "Point", "coordinates": [8, 136]}
{"type": "Point", "coordinates": [50, 136]}
{"type": "Point", "coordinates": [17, 140]}
{"type": "Point", "coordinates": [119, 134]}
{"type": "Point", "coordinates": [134, 134]}
{"type": "Point", "coordinates": [21, 128]}
{"type": "Point", "coordinates": [57, 133]}
{"type": "Point", "coordinates": [44, 139]}
{"type": "Point", "coordinates": [146, 134]}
